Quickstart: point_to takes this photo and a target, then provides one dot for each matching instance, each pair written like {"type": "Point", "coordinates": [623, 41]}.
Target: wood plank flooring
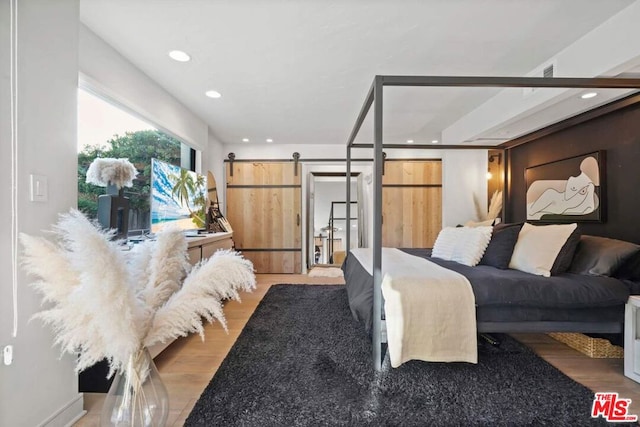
{"type": "Point", "coordinates": [188, 364]}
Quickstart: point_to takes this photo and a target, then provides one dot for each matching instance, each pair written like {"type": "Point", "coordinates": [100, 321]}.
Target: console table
{"type": "Point", "coordinates": [203, 246]}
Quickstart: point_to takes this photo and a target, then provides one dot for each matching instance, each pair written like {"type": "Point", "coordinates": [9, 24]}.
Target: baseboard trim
{"type": "Point", "coordinates": [67, 415]}
{"type": "Point", "coordinates": [77, 418]}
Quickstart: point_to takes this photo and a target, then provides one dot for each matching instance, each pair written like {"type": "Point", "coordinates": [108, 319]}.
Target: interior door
{"type": "Point", "coordinates": [411, 203]}
{"type": "Point", "coordinates": [264, 202]}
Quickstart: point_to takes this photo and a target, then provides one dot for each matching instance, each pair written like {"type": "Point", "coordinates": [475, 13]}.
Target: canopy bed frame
{"type": "Point", "coordinates": [375, 98]}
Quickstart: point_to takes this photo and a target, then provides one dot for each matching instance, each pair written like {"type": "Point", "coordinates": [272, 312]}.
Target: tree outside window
{"type": "Point", "coordinates": [96, 120]}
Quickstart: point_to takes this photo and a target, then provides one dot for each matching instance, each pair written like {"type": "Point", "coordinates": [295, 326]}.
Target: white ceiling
{"type": "Point", "coordinates": [298, 71]}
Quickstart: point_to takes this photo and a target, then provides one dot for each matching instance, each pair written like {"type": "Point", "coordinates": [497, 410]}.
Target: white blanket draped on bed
{"type": "Point", "coordinates": [430, 310]}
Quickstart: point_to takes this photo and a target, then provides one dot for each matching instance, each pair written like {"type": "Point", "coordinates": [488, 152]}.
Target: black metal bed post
{"type": "Point", "coordinates": [377, 223]}
{"type": "Point", "coordinates": [348, 207]}
{"type": "Point", "coordinates": [354, 132]}
{"type": "Point", "coordinates": [330, 240]}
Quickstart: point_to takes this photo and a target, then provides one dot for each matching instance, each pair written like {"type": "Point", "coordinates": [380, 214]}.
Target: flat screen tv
{"type": "Point", "coordinates": [178, 197]}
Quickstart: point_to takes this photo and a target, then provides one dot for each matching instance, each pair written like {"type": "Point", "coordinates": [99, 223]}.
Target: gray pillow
{"type": "Point", "coordinates": [630, 269]}
{"type": "Point", "coordinates": [503, 240]}
{"type": "Point", "coordinates": [601, 256]}
{"type": "Point", "coordinates": [566, 254]}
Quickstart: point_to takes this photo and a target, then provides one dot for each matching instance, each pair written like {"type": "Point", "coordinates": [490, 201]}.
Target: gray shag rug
{"type": "Point", "coordinates": [302, 360]}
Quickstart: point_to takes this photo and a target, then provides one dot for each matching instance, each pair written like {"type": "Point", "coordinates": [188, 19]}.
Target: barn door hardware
{"type": "Point", "coordinates": [296, 157]}
{"type": "Point", "coordinates": [384, 158]}
{"type": "Point", "coordinates": [231, 157]}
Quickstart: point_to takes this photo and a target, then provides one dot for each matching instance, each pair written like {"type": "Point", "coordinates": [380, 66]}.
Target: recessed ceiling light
{"type": "Point", "coordinates": [409, 141]}
{"type": "Point", "coordinates": [180, 56]}
{"type": "Point", "coordinates": [245, 139]}
{"type": "Point", "coordinates": [434, 141]}
{"type": "Point", "coordinates": [213, 94]}
{"type": "Point", "coordinates": [589, 95]}
{"type": "Point", "coordinates": [269, 140]}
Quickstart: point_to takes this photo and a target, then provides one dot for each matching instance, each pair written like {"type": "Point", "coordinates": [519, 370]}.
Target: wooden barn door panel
{"type": "Point", "coordinates": [266, 217]}
{"type": "Point", "coordinates": [275, 262]}
{"type": "Point", "coordinates": [264, 208]}
{"type": "Point", "coordinates": [411, 203]}
{"type": "Point", "coordinates": [412, 172]}
{"type": "Point", "coordinates": [263, 173]}
{"type": "Point", "coordinates": [412, 217]}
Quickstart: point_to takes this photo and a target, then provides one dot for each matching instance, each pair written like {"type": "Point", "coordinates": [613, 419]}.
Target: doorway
{"type": "Point", "coordinates": [327, 224]}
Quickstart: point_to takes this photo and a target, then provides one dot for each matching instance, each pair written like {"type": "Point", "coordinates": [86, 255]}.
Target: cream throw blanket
{"type": "Point", "coordinates": [430, 310]}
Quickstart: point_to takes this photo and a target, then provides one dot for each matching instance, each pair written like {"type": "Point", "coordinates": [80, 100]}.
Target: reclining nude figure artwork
{"type": "Point", "coordinates": [574, 196]}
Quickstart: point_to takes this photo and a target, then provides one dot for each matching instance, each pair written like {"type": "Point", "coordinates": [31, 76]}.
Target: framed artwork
{"type": "Point", "coordinates": [567, 190]}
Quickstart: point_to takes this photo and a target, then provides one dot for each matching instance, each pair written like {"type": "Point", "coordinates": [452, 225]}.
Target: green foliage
{"type": "Point", "coordinates": [139, 147]}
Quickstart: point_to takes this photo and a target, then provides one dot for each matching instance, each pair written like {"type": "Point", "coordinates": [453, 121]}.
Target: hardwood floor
{"type": "Point", "coordinates": [188, 364]}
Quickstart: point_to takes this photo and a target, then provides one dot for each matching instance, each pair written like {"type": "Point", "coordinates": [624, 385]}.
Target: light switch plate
{"type": "Point", "coordinates": [39, 188]}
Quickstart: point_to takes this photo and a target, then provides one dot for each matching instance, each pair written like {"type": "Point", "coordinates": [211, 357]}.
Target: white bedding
{"type": "Point", "coordinates": [430, 310]}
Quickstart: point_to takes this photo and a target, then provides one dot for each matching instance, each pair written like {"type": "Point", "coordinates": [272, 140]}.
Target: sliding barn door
{"type": "Point", "coordinates": [411, 203]}
{"type": "Point", "coordinates": [264, 209]}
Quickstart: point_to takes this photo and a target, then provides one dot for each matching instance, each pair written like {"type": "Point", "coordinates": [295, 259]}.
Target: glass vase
{"type": "Point", "coordinates": [137, 396]}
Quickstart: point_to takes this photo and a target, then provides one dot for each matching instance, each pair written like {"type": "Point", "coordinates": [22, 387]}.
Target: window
{"type": "Point", "coordinates": [105, 130]}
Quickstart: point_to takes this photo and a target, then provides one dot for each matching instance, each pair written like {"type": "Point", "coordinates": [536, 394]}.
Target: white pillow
{"type": "Point", "coordinates": [465, 245]}
{"type": "Point", "coordinates": [538, 247]}
{"type": "Point", "coordinates": [445, 243]}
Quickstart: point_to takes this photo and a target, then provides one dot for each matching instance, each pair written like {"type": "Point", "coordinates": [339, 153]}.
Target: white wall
{"type": "Point", "coordinates": [39, 388]}
{"type": "Point", "coordinates": [107, 73]}
{"type": "Point", "coordinates": [464, 184]}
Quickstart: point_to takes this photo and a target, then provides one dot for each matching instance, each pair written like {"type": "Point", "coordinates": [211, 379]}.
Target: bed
{"type": "Point", "coordinates": [588, 295]}
{"type": "Point", "coordinates": [514, 301]}
{"type": "Point", "coordinates": [608, 317]}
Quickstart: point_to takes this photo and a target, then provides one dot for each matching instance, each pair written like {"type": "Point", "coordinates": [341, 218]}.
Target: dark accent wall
{"type": "Point", "coordinates": [619, 134]}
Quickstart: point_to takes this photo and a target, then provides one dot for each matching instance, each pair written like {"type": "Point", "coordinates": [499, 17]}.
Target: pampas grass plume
{"type": "Point", "coordinates": [103, 304]}
{"type": "Point", "coordinates": [495, 206]}
{"type": "Point", "coordinates": [105, 171]}
{"type": "Point", "coordinates": [213, 280]}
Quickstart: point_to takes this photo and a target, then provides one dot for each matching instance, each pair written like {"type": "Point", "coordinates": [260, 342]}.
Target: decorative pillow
{"type": "Point", "coordinates": [462, 244]}
{"type": "Point", "coordinates": [503, 240]}
{"type": "Point", "coordinates": [445, 243]}
{"type": "Point", "coordinates": [538, 247]}
{"type": "Point", "coordinates": [566, 254]}
{"type": "Point", "coordinates": [630, 268]}
{"type": "Point", "coordinates": [601, 256]}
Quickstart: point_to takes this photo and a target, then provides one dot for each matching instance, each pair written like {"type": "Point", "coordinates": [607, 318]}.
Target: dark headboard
{"type": "Point", "coordinates": [618, 133]}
